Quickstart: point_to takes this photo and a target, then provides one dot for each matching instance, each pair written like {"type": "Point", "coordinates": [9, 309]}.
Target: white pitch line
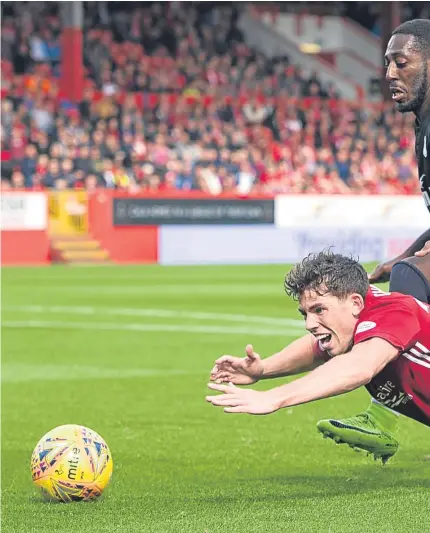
{"type": "Point", "coordinates": [180, 289]}
{"type": "Point", "coordinates": [179, 328]}
{"type": "Point", "coordinates": [17, 373]}
{"type": "Point", "coordinates": [159, 313]}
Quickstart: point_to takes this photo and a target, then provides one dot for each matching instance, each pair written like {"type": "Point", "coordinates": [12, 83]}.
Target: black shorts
{"type": "Point", "coordinates": [412, 276]}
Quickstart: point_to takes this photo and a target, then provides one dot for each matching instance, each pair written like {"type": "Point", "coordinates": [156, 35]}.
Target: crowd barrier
{"type": "Point", "coordinates": [194, 228]}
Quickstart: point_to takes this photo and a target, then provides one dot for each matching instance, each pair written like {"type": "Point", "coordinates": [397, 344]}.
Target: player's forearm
{"type": "Point", "coordinates": [417, 245]}
{"type": "Point", "coordinates": [335, 377]}
{"type": "Point", "coordinates": [297, 357]}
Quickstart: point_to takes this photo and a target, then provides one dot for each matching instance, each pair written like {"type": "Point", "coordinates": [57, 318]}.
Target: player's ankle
{"type": "Point", "coordinates": [385, 416]}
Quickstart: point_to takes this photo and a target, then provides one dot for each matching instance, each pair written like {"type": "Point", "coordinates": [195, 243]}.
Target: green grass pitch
{"type": "Point", "coordinates": [127, 351]}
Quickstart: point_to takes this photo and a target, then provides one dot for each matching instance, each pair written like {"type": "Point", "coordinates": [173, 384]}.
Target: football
{"type": "Point", "coordinates": [71, 463]}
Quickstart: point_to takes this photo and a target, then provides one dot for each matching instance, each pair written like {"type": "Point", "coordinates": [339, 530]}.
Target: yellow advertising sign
{"type": "Point", "coordinates": [68, 212]}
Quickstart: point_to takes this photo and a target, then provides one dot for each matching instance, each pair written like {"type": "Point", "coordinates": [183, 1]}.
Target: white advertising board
{"type": "Point", "coordinates": [23, 211]}
{"type": "Point", "coordinates": [180, 245]}
{"type": "Point", "coordinates": [351, 211]}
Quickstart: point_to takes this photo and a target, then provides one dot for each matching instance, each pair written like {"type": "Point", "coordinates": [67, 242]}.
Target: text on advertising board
{"type": "Point", "coordinates": [144, 211]}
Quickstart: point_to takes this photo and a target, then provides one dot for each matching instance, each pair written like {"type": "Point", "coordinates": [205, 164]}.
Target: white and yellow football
{"type": "Point", "coordinates": [71, 463]}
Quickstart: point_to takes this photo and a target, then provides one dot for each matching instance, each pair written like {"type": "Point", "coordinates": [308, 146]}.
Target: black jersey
{"type": "Point", "coordinates": [422, 151]}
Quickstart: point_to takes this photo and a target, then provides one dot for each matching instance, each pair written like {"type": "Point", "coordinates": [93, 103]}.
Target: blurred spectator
{"type": "Point", "coordinates": [29, 164]}
{"type": "Point", "coordinates": [18, 180]}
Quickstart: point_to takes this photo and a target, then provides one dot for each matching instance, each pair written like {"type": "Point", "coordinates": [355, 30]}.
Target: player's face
{"type": "Point", "coordinates": [407, 73]}
{"type": "Point", "coordinates": [332, 321]}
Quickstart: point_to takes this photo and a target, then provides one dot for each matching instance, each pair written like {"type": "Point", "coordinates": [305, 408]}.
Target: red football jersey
{"type": "Point", "coordinates": [404, 384]}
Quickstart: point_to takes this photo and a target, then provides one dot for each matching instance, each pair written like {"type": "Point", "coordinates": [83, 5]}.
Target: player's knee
{"type": "Point", "coordinates": [407, 278]}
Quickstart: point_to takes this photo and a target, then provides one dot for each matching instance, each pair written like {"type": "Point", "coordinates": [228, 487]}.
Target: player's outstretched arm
{"type": "Point", "coordinates": [299, 356]}
{"type": "Point", "coordinates": [341, 374]}
{"type": "Point", "coordinates": [418, 245]}
{"type": "Point", "coordinates": [419, 248]}
{"type": "Point", "coordinates": [424, 250]}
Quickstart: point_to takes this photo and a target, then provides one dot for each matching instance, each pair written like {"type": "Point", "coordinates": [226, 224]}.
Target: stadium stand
{"type": "Point", "coordinates": [367, 14]}
{"type": "Point", "coordinates": [175, 99]}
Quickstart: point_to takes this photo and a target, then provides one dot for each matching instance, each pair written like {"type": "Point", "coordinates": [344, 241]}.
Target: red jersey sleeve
{"type": "Point", "coordinates": [399, 326]}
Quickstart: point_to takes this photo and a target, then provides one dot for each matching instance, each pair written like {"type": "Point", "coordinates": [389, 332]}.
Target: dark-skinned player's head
{"type": "Point", "coordinates": [407, 60]}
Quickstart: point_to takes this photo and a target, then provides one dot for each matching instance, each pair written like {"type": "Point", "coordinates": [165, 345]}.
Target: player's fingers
{"type": "Point", "coordinates": [220, 369]}
{"type": "Point", "coordinates": [250, 353]}
{"type": "Point", "coordinates": [424, 251]}
{"type": "Point", "coordinates": [222, 377]}
{"type": "Point", "coordinates": [217, 399]}
{"type": "Point", "coordinates": [249, 350]}
{"type": "Point", "coordinates": [376, 272]}
{"type": "Point", "coordinates": [380, 274]}
{"type": "Point", "coordinates": [224, 359]}
{"type": "Point", "coordinates": [225, 376]}
{"type": "Point", "coordinates": [226, 400]}
{"type": "Point", "coordinates": [222, 388]}
{"type": "Point", "coordinates": [237, 409]}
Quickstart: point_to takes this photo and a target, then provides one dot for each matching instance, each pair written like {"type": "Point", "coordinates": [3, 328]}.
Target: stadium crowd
{"type": "Point", "coordinates": [174, 99]}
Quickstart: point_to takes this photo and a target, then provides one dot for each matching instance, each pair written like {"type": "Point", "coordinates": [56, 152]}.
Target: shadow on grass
{"type": "Point", "coordinates": [39, 500]}
{"type": "Point", "coordinates": [362, 480]}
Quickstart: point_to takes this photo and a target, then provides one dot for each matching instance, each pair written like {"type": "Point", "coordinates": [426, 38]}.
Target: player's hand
{"type": "Point", "coordinates": [382, 272]}
{"type": "Point", "coordinates": [424, 251]}
{"type": "Point", "coordinates": [236, 400]}
{"type": "Point", "coordinates": [238, 370]}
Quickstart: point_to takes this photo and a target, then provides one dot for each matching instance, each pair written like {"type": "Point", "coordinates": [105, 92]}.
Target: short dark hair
{"type": "Point", "coordinates": [420, 30]}
{"type": "Point", "coordinates": [327, 272]}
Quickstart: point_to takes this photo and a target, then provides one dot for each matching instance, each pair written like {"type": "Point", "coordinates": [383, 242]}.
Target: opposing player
{"type": "Point", "coordinates": [408, 74]}
{"type": "Point", "coordinates": [358, 335]}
